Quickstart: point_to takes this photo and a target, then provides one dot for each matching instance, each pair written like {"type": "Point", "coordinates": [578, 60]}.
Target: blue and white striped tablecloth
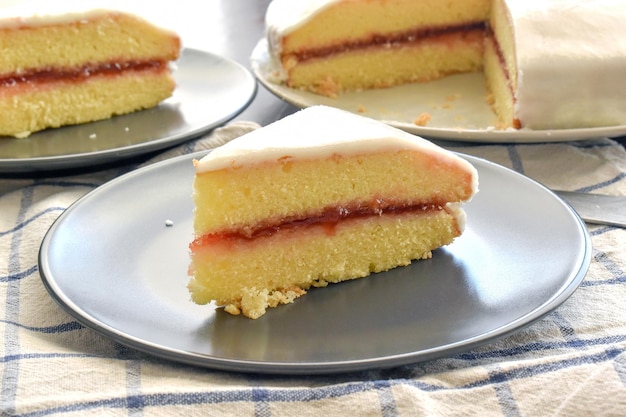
{"type": "Point", "coordinates": [570, 363]}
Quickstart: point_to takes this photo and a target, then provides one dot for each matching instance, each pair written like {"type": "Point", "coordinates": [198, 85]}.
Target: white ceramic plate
{"type": "Point", "coordinates": [210, 91]}
{"type": "Point", "coordinates": [456, 104]}
{"type": "Point", "coordinates": [114, 264]}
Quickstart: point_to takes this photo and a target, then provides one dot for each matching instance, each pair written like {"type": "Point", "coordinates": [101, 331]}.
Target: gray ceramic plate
{"type": "Point", "coordinates": [210, 91]}
{"type": "Point", "coordinates": [112, 261]}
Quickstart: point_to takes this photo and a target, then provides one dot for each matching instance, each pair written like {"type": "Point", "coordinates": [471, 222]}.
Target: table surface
{"type": "Point", "coordinates": [570, 362]}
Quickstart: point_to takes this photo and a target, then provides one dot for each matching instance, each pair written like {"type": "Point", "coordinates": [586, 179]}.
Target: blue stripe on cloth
{"type": "Point", "coordinates": [314, 394]}
{"type": "Point", "coordinates": [619, 274]}
{"type": "Point", "coordinates": [10, 372]}
{"type": "Point", "coordinates": [541, 346]}
{"type": "Point", "coordinates": [620, 368]}
{"type": "Point", "coordinates": [504, 394]}
{"type": "Point", "coordinates": [61, 184]}
{"type": "Point", "coordinates": [126, 353]}
{"type": "Point", "coordinates": [260, 397]}
{"type": "Point", "coordinates": [613, 281]}
{"type": "Point", "coordinates": [189, 147]}
{"type": "Point", "coordinates": [16, 276]}
{"type": "Point", "coordinates": [593, 144]}
{"type": "Point", "coordinates": [614, 180]}
{"type": "Point", "coordinates": [134, 401]}
{"type": "Point", "coordinates": [609, 264]}
{"type": "Point", "coordinates": [544, 368]}
{"type": "Point", "coordinates": [599, 231]}
{"type": "Point", "coordinates": [26, 222]}
{"type": "Point", "coordinates": [566, 329]}
{"type": "Point", "coordinates": [36, 356]}
{"type": "Point", "coordinates": [59, 328]}
{"type": "Point", "coordinates": [388, 406]}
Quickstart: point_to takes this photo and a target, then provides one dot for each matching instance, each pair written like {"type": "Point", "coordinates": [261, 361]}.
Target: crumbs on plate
{"type": "Point", "coordinates": [422, 119]}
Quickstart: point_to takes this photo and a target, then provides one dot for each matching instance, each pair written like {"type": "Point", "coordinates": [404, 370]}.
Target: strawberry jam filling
{"type": "Point", "coordinates": [51, 74]}
{"type": "Point", "coordinates": [396, 39]}
{"type": "Point", "coordinates": [328, 219]}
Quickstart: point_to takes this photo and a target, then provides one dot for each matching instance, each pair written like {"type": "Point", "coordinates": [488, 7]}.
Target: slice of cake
{"type": "Point", "coordinates": [318, 197]}
{"type": "Point", "coordinates": [549, 64]}
{"type": "Point", "coordinates": [63, 69]}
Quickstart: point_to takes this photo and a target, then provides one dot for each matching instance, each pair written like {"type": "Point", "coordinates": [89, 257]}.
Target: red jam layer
{"type": "Point", "coordinates": [47, 75]}
{"type": "Point", "coordinates": [329, 219]}
{"type": "Point", "coordinates": [392, 40]}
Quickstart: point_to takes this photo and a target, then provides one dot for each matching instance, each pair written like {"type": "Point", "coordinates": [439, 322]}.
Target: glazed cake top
{"type": "Point", "coordinates": [321, 132]}
{"type": "Point", "coordinates": [570, 55]}
{"type": "Point", "coordinates": [45, 12]}
{"type": "Point", "coordinates": [284, 15]}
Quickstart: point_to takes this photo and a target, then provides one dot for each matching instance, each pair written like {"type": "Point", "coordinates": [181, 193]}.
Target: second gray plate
{"type": "Point", "coordinates": [210, 90]}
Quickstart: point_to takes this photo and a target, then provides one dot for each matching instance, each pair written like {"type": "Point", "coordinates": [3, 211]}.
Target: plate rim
{"type": "Point", "coordinates": [109, 155]}
{"type": "Point", "coordinates": [489, 135]}
{"type": "Point", "coordinates": [566, 289]}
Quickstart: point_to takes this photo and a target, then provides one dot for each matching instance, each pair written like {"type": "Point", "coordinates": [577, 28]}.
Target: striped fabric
{"type": "Point", "coordinates": [571, 363]}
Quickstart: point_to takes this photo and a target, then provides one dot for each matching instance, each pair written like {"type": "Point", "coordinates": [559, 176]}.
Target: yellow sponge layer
{"type": "Point", "coordinates": [249, 276]}
{"type": "Point", "coordinates": [97, 98]}
{"type": "Point", "coordinates": [355, 20]}
{"type": "Point", "coordinates": [103, 38]}
{"type": "Point", "coordinates": [231, 199]}
{"type": "Point", "coordinates": [389, 66]}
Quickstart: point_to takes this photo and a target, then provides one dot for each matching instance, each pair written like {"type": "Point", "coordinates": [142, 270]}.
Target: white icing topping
{"type": "Point", "coordinates": [571, 58]}
{"type": "Point", "coordinates": [320, 132]}
{"type": "Point", "coordinates": [282, 17]}
{"type": "Point", "coordinates": [45, 12]}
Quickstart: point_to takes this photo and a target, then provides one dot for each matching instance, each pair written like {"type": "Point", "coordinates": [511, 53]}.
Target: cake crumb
{"type": "Point", "coordinates": [254, 303]}
{"type": "Point", "coordinates": [92, 136]}
{"type": "Point", "coordinates": [232, 309]}
{"type": "Point", "coordinates": [361, 108]}
{"type": "Point", "coordinates": [328, 88]}
{"type": "Point", "coordinates": [169, 223]}
{"type": "Point", "coordinates": [422, 119]}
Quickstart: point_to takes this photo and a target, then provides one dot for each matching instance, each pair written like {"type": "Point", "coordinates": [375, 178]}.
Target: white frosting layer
{"type": "Point", "coordinates": [571, 58]}
{"type": "Point", "coordinates": [33, 13]}
{"type": "Point", "coordinates": [45, 12]}
{"type": "Point", "coordinates": [281, 18]}
{"type": "Point", "coordinates": [320, 132]}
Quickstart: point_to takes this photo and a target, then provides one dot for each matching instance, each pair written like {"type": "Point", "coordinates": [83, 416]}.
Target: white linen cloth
{"type": "Point", "coordinates": [572, 362]}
